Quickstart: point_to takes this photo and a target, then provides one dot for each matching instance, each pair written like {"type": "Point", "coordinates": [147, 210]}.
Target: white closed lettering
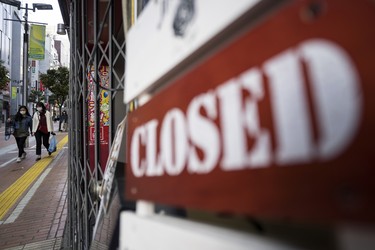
{"type": "Point", "coordinates": [203, 134]}
{"type": "Point", "coordinates": [337, 96]}
{"type": "Point", "coordinates": [288, 98]}
{"type": "Point", "coordinates": [138, 138]}
{"type": "Point", "coordinates": [174, 141]}
{"type": "Point", "coordinates": [154, 163]}
{"type": "Point", "coordinates": [223, 128]}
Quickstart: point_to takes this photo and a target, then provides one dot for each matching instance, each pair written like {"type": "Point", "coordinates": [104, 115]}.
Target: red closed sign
{"type": "Point", "coordinates": [277, 123]}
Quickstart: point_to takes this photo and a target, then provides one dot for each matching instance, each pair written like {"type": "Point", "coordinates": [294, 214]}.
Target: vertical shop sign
{"type": "Point", "coordinates": [103, 113]}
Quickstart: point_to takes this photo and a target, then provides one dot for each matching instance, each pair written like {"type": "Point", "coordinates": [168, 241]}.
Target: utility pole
{"type": "Point", "coordinates": [25, 57]}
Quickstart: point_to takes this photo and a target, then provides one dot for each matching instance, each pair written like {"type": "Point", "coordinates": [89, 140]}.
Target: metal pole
{"type": "Point", "coordinates": [25, 64]}
{"type": "Point", "coordinates": [25, 58]}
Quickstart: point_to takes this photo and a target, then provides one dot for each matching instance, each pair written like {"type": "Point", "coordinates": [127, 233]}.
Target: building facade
{"type": "Point", "coordinates": [10, 55]}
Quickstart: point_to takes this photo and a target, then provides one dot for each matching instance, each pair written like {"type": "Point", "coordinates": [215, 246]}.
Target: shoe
{"type": "Point", "coordinates": [38, 157]}
{"type": "Point", "coordinates": [18, 159]}
{"type": "Point", "coordinates": [23, 155]}
{"type": "Point", "coordinates": [49, 153]}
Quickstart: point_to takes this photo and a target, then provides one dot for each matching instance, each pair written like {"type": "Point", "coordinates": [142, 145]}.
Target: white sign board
{"type": "Point", "coordinates": [168, 31]}
{"type": "Point", "coordinates": [160, 232]}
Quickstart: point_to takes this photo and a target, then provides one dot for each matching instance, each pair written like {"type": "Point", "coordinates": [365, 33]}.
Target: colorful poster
{"type": "Point", "coordinates": [104, 112]}
{"type": "Point", "coordinates": [37, 42]}
{"type": "Point", "coordinates": [104, 97]}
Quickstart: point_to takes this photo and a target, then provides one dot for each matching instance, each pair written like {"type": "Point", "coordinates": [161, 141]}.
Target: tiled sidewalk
{"type": "Point", "coordinates": [38, 220]}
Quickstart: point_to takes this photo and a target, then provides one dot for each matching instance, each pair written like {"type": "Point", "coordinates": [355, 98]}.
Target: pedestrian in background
{"type": "Point", "coordinates": [22, 125]}
{"type": "Point", "coordinates": [63, 121]}
{"type": "Point", "coordinates": [42, 128]}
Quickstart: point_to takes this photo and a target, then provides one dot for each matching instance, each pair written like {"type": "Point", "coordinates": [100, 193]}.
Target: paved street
{"type": "Point", "coordinates": [33, 206]}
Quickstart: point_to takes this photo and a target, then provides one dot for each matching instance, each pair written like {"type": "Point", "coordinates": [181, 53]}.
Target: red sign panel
{"type": "Point", "coordinates": [278, 123]}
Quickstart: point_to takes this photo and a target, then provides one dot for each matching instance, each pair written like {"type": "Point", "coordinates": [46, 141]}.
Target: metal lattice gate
{"type": "Point", "coordinates": [97, 73]}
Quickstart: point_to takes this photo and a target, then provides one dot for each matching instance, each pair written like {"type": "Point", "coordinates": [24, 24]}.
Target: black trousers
{"type": "Point", "coordinates": [39, 137]}
{"type": "Point", "coordinates": [21, 145]}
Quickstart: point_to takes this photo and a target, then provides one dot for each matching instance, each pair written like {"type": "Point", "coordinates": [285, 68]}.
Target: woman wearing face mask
{"type": "Point", "coordinates": [22, 125]}
{"type": "Point", "coordinates": [42, 127]}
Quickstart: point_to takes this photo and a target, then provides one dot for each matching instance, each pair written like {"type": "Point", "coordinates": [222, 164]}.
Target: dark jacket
{"type": "Point", "coordinates": [23, 127]}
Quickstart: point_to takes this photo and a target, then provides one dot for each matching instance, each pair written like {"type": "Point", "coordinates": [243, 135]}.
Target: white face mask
{"type": "Point", "coordinates": [22, 112]}
{"type": "Point", "coordinates": [39, 109]}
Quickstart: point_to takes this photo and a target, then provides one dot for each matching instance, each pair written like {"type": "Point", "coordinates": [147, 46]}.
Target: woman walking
{"type": "Point", "coordinates": [42, 128]}
{"type": "Point", "coordinates": [22, 125]}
